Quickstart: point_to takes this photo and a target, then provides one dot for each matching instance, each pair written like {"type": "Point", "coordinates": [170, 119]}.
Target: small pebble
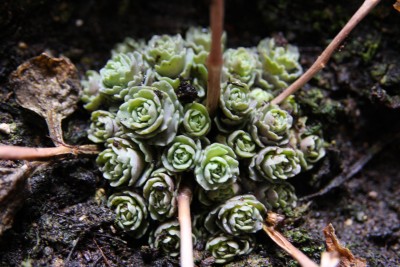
{"type": "Point", "coordinates": [22, 45]}
{"type": "Point", "coordinates": [361, 216]}
{"type": "Point", "coordinates": [373, 194]}
{"type": "Point", "coordinates": [348, 222]}
{"type": "Point", "coordinates": [5, 128]}
{"type": "Point", "coordinates": [78, 23]}
{"type": "Point", "coordinates": [83, 218]}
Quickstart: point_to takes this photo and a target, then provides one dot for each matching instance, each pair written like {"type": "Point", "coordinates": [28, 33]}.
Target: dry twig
{"type": "Point", "coordinates": [214, 60]}
{"type": "Point", "coordinates": [33, 153]}
{"type": "Point", "coordinates": [102, 253]}
{"type": "Point", "coordinates": [321, 61]}
{"type": "Point", "coordinates": [280, 240]}
{"type": "Point", "coordinates": [185, 224]}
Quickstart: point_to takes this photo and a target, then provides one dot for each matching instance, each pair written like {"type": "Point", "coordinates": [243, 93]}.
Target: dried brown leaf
{"type": "Point", "coordinates": [397, 5]}
{"type": "Point", "coordinates": [49, 87]}
{"type": "Point", "coordinates": [347, 259]}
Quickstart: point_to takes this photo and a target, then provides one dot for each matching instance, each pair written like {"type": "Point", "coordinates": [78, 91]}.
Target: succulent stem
{"type": "Point", "coordinates": [321, 61]}
{"type": "Point", "coordinates": [185, 223]}
{"type": "Point", "coordinates": [214, 61]}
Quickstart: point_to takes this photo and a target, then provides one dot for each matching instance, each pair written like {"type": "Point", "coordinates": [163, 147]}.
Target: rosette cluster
{"type": "Point", "coordinates": [148, 112]}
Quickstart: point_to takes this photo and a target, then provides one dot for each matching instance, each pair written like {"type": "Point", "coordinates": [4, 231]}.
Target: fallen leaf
{"type": "Point", "coordinates": [347, 259]}
{"type": "Point", "coordinates": [397, 5]}
{"type": "Point", "coordinates": [49, 87]}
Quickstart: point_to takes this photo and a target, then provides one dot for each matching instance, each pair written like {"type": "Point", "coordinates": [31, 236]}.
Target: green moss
{"type": "Point", "coordinates": [303, 240]}
{"type": "Point", "coordinates": [363, 46]}
{"type": "Point", "coordinates": [317, 102]}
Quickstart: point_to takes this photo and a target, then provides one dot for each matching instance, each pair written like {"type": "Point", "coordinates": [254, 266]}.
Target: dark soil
{"type": "Point", "coordinates": [63, 221]}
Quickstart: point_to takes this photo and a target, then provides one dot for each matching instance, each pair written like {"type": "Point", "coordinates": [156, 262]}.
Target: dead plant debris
{"type": "Point", "coordinates": [50, 87]}
{"type": "Point", "coordinates": [347, 259]}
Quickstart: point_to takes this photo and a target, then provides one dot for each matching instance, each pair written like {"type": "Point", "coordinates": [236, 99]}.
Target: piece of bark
{"type": "Point", "coordinates": [13, 182]}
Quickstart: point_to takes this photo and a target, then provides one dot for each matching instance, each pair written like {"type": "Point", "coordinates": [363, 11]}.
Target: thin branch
{"type": "Point", "coordinates": [74, 244]}
{"type": "Point", "coordinates": [281, 241]}
{"type": "Point", "coordinates": [185, 224]}
{"type": "Point", "coordinates": [33, 153]}
{"type": "Point", "coordinates": [214, 60]}
{"type": "Point", "coordinates": [102, 253]}
{"type": "Point", "coordinates": [320, 63]}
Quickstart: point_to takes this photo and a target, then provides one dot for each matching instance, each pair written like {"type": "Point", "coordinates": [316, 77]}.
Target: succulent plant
{"type": "Point", "coordinates": [290, 105]}
{"type": "Point", "coordinates": [120, 72]}
{"type": "Point", "coordinates": [103, 126]}
{"type": "Point", "coordinates": [156, 130]}
{"type": "Point", "coordinates": [280, 64]}
{"type": "Point", "coordinates": [91, 95]}
{"type": "Point", "coordinates": [236, 106]}
{"type": "Point", "coordinates": [211, 197]}
{"type": "Point", "coordinates": [270, 126]}
{"type": "Point", "coordinates": [313, 148]}
{"type": "Point", "coordinates": [224, 248]}
{"type": "Point", "coordinates": [196, 120]}
{"type": "Point", "coordinates": [167, 54]}
{"type": "Point", "coordinates": [275, 163]}
{"type": "Point", "coordinates": [276, 195]}
{"type": "Point", "coordinates": [199, 231]}
{"type": "Point", "coordinates": [242, 143]}
{"type": "Point", "coordinates": [125, 162]}
{"type": "Point", "coordinates": [152, 113]}
{"type": "Point", "coordinates": [166, 238]}
{"type": "Point", "coordinates": [260, 96]}
{"type": "Point", "coordinates": [129, 45]}
{"type": "Point", "coordinates": [199, 39]}
{"type": "Point", "coordinates": [240, 64]}
{"type": "Point", "coordinates": [242, 214]}
{"type": "Point", "coordinates": [217, 167]}
{"type": "Point", "coordinates": [131, 212]}
{"type": "Point", "coordinates": [160, 194]}
{"type": "Point", "coordinates": [181, 155]}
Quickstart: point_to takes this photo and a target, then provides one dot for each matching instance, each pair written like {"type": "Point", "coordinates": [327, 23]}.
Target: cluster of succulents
{"type": "Point", "coordinates": [148, 110]}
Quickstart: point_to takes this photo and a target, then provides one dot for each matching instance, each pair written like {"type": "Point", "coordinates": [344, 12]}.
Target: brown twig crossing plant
{"type": "Point", "coordinates": [214, 60]}
{"type": "Point", "coordinates": [322, 59]}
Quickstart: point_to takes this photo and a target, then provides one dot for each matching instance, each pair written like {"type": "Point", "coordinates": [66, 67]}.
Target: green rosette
{"type": "Point", "coordinates": [131, 212]}
{"type": "Point", "coordinates": [275, 163]}
{"type": "Point", "coordinates": [181, 155]}
{"type": "Point", "coordinates": [242, 214]}
{"type": "Point", "coordinates": [217, 167]}
{"type": "Point", "coordinates": [152, 113]}
{"type": "Point", "coordinates": [280, 63]}
{"type": "Point", "coordinates": [125, 162]}
{"type": "Point", "coordinates": [120, 72]}
{"type": "Point", "coordinates": [196, 120]}
{"type": "Point", "coordinates": [103, 126]}
{"type": "Point", "coordinates": [270, 125]}
{"type": "Point", "coordinates": [225, 248]}
{"type": "Point", "coordinates": [160, 194]}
